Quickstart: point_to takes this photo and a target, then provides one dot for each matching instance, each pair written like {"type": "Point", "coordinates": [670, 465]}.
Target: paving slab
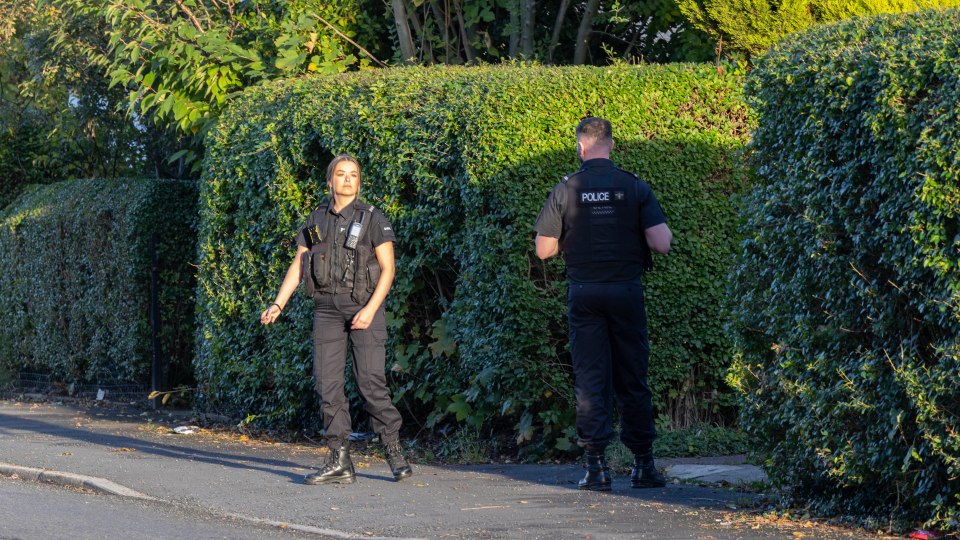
{"type": "Point", "coordinates": [744, 474]}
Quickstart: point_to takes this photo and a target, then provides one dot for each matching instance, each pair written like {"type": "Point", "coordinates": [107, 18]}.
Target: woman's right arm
{"type": "Point", "coordinates": [289, 286]}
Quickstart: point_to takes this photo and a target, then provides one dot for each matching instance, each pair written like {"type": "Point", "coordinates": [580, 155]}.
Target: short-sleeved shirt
{"type": "Point", "coordinates": [551, 224]}
{"type": "Point", "coordinates": [334, 226]}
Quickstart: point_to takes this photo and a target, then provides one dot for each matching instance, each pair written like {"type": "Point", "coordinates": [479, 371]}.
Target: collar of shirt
{"type": "Point", "coordinates": [597, 163]}
{"type": "Point", "coordinates": [348, 211]}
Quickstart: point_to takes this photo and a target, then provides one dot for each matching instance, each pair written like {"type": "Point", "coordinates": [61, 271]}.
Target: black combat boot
{"type": "Point", "coordinates": [398, 463]}
{"type": "Point", "coordinates": [337, 470]}
{"type": "Point", "coordinates": [598, 474]}
{"type": "Point", "coordinates": [644, 473]}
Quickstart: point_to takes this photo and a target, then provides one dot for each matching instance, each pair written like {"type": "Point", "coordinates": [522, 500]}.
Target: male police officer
{"type": "Point", "coordinates": [345, 259]}
{"type": "Point", "coordinates": [606, 221]}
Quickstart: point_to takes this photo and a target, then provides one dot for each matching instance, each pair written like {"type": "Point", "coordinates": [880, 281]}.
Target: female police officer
{"type": "Point", "coordinates": [345, 260]}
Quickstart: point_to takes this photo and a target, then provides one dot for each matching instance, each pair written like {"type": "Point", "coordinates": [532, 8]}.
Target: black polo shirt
{"type": "Point", "coordinates": [550, 223]}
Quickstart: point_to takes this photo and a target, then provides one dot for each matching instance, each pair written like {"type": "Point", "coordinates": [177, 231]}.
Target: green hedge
{"type": "Point", "coordinates": [461, 159]}
{"type": "Point", "coordinates": [76, 278]}
{"type": "Point", "coordinates": [848, 285]}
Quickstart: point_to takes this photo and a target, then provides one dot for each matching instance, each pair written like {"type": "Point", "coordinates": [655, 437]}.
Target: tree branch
{"type": "Point", "coordinates": [467, 49]}
{"type": "Point", "coordinates": [191, 16]}
{"type": "Point", "coordinates": [407, 49]}
{"type": "Point", "coordinates": [583, 34]}
{"type": "Point", "coordinates": [555, 37]}
{"type": "Point", "coordinates": [528, 14]}
{"type": "Point", "coordinates": [352, 42]}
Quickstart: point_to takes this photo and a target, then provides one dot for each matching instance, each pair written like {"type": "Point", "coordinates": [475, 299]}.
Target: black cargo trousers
{"type": "Point", "coordinates": [332, 314]}
{"type": "Point", "coordinates": [610, 351]}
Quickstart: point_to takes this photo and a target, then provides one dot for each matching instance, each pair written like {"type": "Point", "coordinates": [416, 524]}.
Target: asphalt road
{"type": "Point", "coordinates": [31, 510]}
{"type": "Point", "coordinates": [256, 480]}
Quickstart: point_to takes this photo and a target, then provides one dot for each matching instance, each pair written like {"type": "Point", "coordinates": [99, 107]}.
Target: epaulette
{"type": "Point", "coordinates": [568, 175]}
{"type": "Point", "coordinates": [630, 173]}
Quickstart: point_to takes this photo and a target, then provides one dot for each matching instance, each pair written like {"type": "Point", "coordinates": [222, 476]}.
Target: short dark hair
{"type": "Point", "coordinates": [595, 128]}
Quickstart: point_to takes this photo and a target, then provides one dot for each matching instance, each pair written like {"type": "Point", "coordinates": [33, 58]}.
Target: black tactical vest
{"type": "Point", "coordinates": [321, 273]}
{"type": "Point", "coordinates": [602, 220]}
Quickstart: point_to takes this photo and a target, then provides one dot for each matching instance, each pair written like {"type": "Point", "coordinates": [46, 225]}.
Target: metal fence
{"type": "Point", "coordinates": [116, 391]}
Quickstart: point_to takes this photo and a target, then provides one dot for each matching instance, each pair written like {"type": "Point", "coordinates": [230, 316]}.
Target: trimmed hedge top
{"type": "Point", "coordinates": [460, 160]}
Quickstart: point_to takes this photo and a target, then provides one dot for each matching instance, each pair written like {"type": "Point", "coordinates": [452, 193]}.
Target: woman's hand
{"type": "Point", "coordinates": [363, 318]}
{"type": "Point", "coordinates": [271, 314]}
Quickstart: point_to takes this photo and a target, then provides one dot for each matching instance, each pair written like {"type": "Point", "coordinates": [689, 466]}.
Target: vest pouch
{"type": "Point", "coordinates": [306, 275]}
{"type": "Point", "coordinates": [363, 285]}
{"type": "Point", "coordinates": [373, 274]}
{"type": "Point", "coordinates": [319, 267]}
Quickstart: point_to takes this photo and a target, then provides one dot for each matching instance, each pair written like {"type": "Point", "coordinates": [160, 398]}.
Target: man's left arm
{"type": "Point", "coordinates": [549, 224]}
{"type": "Point", "coordinates": [659, 238]}
{"type": "Point", "coordinates": [652, 219]}
{"type": "Point", "coordinates": [547, 246]}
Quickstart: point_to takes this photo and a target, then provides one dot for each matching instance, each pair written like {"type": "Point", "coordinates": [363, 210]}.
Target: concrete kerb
{"type": "Point", "coordinates": [99, 485]}
{"type": "Point", "coordinates": [102, 485]}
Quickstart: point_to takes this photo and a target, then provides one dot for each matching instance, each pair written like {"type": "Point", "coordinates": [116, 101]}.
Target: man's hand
{"type": "Point", "coordinates": [270, 315]}
{"type": "Point", "coordinates": [363, 318]}
{"type": "Point", "coordinates": [547, 246]}
{"type": "Point", "coordinates": [659, 238]}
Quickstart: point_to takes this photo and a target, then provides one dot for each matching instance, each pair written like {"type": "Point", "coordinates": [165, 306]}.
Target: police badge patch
{"type": "Point", "coordinates": [601, 197]}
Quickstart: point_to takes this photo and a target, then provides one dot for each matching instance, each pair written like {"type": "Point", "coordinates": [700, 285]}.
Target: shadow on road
{"type": "Point", "coordinates": [11, 424]}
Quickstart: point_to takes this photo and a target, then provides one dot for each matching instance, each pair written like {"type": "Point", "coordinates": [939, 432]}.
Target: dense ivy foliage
{"type": "Point", "coordinates": [461, 159]}
{"type": "Point", "coordinates": [848, 285]}
{"type": "Point", "coordinates": [76, 281]}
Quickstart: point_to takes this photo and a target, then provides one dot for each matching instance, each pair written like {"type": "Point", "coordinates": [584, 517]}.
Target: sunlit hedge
{"type": "Point", "coordinates": [848, 285]}
{"type": "Point", "coordinates": [461, 159]}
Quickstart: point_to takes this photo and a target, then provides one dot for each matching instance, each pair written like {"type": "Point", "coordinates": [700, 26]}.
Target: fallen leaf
{"type": "Point", "coordinates": [67, 454]}
{"type": "Point", "coordinates": [124, 449]}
